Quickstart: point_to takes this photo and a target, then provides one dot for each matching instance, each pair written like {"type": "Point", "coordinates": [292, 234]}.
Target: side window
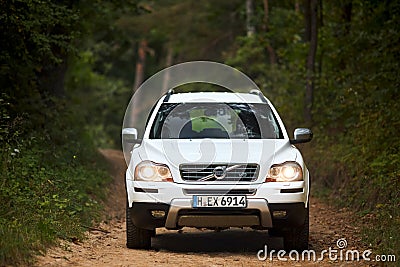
{"type": "Point", "coordinates": [160, 119]}
{"type": "Point", "coordinates": [151, 112]}
{"type": "Point", "coordinates": [269, 125]}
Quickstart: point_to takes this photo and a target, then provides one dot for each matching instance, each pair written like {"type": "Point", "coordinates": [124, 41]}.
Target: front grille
{"type": "Point", "coordinates": [233, 172]}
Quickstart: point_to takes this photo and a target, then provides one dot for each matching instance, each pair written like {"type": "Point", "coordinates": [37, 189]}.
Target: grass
{"type": "Point", "coordinates": [46, 193]}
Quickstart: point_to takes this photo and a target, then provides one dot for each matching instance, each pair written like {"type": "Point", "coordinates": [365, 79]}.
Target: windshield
{"type": "Point", "coordinates": [215, 120]}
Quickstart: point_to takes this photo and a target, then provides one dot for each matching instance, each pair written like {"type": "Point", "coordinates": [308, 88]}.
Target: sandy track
{"type": "Point", "coordinates": [105, 245]}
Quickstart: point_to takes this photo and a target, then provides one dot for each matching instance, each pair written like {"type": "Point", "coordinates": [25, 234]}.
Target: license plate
{"type": "Point", "coordinates": [219, 201]}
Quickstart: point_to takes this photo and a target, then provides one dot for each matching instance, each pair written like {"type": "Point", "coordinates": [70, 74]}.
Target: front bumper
{"type": "Point", "coordinates": [164, 192]}
{"type": "Point", "coordinates": [180, 213]}
{"type": "Point", "coordinates": [265, 202]}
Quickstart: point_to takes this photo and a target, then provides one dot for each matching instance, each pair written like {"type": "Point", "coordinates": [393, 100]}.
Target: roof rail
{"type": "Point", "coordinates": [259, 93]}
{"type": "Point", "coordinates": [168, 94]}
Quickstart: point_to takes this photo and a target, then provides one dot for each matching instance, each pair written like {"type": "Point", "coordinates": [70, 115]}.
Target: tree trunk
{"type": "Point", "coordinates": [321, 14]}
{"type": "Point", "coordinates": [140, 64]}
{"type": "Point", "coordinates": [320, 25]}
{"type": "Point", "coordinates": [307, 17]}
{"type": "Point", "coordinates": [296, 6]}
{"type": "Point", "coordinates": [266, 15]}
{"type": "Point", "coordinates": [249, 18]}
{"type": "Point", "coordinates": [270, 49]}
{"type": "Point", "coordinates": [168, 63]}
{"type": "Point", "coordinates": [310, 65]}
{"type": "Point", "coordinates": [346, 16]}
{"type": "Point", "coordinates": [346, 12]}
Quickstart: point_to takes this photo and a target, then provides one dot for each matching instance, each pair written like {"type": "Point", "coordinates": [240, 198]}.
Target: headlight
{"type": "Point", "coordinates": [152, 172]}
{"type": "Point", "coordinates": [286, 172]}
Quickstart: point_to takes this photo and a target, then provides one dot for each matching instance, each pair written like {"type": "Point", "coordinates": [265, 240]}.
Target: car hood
{"type": "Point", "coordinates": [174, 152]}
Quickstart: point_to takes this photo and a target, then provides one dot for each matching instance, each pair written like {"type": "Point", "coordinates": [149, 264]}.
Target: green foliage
{"type": "Point", "coordinates": [356, 113]}
{"type": "Point", "coordinates": [354, 156]}
{"type": "Point", "coordinates": [51, 185]}
{"type": "Point", "coordinates": [51, 179]}
{"type": "Point", "coordinates": [281, 81]}
{"type": "Point", "coordinates": [100, 75]}
{"type": "Point", "coordinates": [104, 98]}
{"type": "Point", "coordinates": [36, 38]}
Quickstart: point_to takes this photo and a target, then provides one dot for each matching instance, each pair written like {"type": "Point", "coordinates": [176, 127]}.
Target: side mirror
{"type": "Point", "coordinates": [129, 135]}
{"type": "Point", "coordinates": [302, 135]}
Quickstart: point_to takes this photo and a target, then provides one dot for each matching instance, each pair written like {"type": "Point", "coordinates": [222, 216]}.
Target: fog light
{"type": "Point", "coordinates": [158, 213]}
{"type": "Point", "coordinates": [279, 213]}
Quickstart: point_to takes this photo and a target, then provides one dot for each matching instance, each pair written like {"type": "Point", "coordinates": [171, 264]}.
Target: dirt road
{"type": "Point", "coordinates": [105, 244]}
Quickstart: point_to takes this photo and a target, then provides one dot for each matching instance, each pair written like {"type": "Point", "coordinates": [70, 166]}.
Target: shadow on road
{"type": "Point", "coordinates": [211, 241]}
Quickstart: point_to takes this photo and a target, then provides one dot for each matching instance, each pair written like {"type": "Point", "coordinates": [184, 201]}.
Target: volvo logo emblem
{"type": "Point", "coordinates": [219, 172]}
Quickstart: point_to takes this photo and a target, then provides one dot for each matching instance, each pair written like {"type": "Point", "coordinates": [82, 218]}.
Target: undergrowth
{"type": "Point", "coordinates": [51, 185]}
{"type": "Point", "coordinates": [365, 180]}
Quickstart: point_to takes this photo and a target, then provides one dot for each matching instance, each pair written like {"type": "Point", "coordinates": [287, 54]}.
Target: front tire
{"type": "Point", "coordinates": [137, 237]}
{"type": "Point", "coordinates": [297, 238]}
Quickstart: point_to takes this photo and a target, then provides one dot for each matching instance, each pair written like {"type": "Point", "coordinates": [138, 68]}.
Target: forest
{"type": "Point", "coordinates": [69, 68]}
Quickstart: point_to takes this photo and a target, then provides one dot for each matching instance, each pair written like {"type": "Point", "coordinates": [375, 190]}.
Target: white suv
{"type": "Point", "coordinates": [216, 160]}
